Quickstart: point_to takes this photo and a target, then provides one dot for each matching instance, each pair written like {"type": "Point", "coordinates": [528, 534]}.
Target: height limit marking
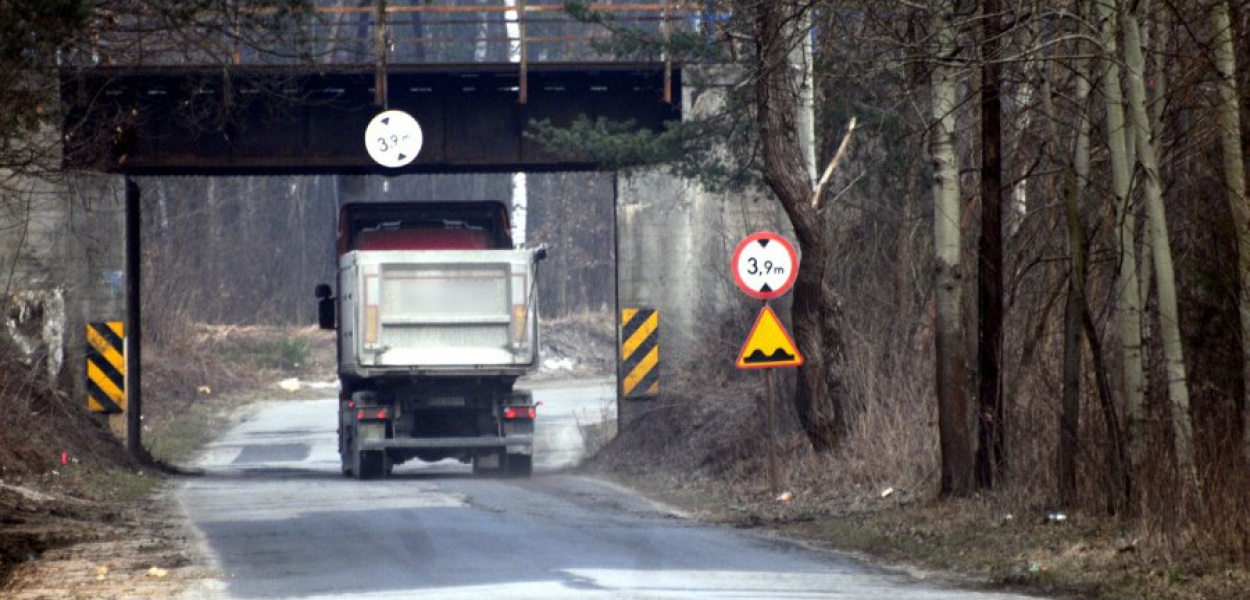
{"type": "Point", "coordinates": [640, 352]}
{"type": "Point", "coordinates": [765, 265]}
{"type": "Point", "coordinates": [106, 367]}
{"type": "Point", "coordinates": [393, 138]}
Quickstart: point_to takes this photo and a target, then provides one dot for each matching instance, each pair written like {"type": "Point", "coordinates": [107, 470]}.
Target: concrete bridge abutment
{"type": "Point", "coordinates": [675, 239]}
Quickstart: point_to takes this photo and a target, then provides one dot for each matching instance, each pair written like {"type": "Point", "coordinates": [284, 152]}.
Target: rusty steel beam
{"type": "Point", "coordinates": [274, 120]}
{"type": "Point", "coordinates": [532, 8]}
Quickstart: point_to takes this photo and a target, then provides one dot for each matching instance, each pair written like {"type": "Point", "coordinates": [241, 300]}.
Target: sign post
{"type": "Point", "coordinates": [765, 266]}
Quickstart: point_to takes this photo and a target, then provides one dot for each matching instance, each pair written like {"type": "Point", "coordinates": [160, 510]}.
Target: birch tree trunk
{"type": "Point", "coordinates": [1113, 446]}
{"type": "Point", "coordinates": [1235, 181]}
{"type": "Point", "coordinates": [801, 62]}
{"type": "Point", "coordinates": [1128, 302]}
{"type": "Point", "coordinates": [1160, 248]}
{"type": "Point", "coordinates": [955, 443]}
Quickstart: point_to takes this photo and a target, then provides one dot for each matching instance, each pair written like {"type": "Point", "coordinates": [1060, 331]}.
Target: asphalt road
{"type": "Point", "coordinates": [279, 521]}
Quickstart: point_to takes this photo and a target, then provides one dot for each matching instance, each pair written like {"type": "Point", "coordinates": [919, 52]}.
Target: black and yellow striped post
{"type": "Point", "coordinates": [106, 367]}
{"type": "Point", "coordinates": [640, 353]}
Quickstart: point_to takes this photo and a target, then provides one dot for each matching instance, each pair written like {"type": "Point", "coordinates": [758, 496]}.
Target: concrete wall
{"type": "Point", "coordinates": [95, 252]}
{"type": "Point", "coordinates": [61, 257]}
{"type": "Point", "coordinates": [675, 242]}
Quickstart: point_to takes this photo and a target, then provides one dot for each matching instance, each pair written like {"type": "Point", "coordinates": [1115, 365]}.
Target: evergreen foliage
{"type": "Point", "coordinates": [694, 149]}
{"type": "Point", "coordinates": [631, 42]}
{"type": "Point", "coordinates": [720, 151]}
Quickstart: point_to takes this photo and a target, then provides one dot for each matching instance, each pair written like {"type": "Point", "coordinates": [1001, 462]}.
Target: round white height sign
{"type": "Point", "coordinates": [393, 138]}
{"type": "Point", "coordinates": [765, 265]}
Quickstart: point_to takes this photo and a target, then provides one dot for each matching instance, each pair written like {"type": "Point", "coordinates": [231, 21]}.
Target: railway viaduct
{"type": "Point", "coordinates": [75, 246]}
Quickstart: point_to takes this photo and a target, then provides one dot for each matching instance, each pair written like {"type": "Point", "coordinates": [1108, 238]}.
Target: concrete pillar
{"type": "Point", "coordinates": [60, 247]}
{"type": "Point", "coordinates": [94, 251]}
{"type": "Point", "coordinates": [675, 240]}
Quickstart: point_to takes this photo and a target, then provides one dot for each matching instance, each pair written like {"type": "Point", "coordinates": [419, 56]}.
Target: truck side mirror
{"type": "Point", "coordinates": [540, 253]}
{"type": "Point", "coordinates": [325, 306]}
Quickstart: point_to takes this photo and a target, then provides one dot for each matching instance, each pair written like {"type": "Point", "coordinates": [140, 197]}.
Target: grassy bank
{"type": "Point", "coordinates": [701, 449]}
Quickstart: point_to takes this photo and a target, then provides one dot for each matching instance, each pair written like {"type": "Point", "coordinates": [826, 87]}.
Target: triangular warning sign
{"type": "Point", "coordinates": [769, 345]}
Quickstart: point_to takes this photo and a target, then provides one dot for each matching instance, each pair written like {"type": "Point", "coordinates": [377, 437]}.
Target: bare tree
{"type": "Point", "coordinates": [991, 416]}
{"type": "Point", "coordinates": [1075, 169]}
{"type": "Point", "coordinates": [1235, 181]}
{"type": "Point", "coordinates": [1079, 321]}
{"type": "Point", "coordinates": [1128, 303]}
{"type": "Point", "coordinates": [956, 448]}
{"type": "Point", "coordinates": [815, 312]}
{"type": "Point", "coordinates": [1161, 251]}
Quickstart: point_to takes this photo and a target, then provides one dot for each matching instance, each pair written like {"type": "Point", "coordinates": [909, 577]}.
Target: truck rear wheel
{"type": "Point", "coordinates": [364, 464]}
{"type": "Point", "coordinates": [370, 464]}
{"type": "Point", "coordinates": [347, 454]}
{"type": "Point", "coordinates": [520, 465]}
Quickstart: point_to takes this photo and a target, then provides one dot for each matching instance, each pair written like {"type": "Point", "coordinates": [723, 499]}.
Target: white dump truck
{"type": "Point", "coordinates": [436, 317]}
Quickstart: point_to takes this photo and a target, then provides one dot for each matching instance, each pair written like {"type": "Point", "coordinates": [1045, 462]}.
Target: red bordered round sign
{"type": "Point", "coordinates": [765, 265]}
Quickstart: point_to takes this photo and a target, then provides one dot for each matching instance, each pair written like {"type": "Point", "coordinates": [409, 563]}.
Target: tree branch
{"type": "Point", "coordinates": [833, 164]}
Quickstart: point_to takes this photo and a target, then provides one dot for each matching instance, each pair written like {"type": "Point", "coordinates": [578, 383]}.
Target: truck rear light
{"type": "Point", "coordinates": [512, 413]}
{"type": "Point", "coordinates": [520, 322]}
{"type": "Point", "coordinates": [371, 414]}
{"type": "Point", "coordinates": [371, 325]}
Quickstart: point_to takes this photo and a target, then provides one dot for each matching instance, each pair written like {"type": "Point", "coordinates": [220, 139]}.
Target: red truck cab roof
{"type": "Point", "coordinates": [479, 225]}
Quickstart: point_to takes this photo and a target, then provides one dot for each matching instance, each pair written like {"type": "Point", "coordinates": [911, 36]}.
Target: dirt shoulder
{"type": "Point", "coordinates": [82, 518]}
{"type": "Point", "coordinates": [704, 455]}
{"type": "Point", "coordinates": [973, 543]}
{"type": "Point", "coordinates": [71, 548]}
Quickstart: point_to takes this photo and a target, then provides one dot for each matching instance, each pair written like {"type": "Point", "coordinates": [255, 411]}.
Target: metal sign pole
{"type": "Point", "coordinates": [621, 415]}
{"type": "Point", "coordinates": [774, 477]}
{"type": "Point", "coordinates": [134, 331]}
{"type": "Point", "coordinates": [523, 89]}
{"type": "Point", "coordinates": [765, 266]}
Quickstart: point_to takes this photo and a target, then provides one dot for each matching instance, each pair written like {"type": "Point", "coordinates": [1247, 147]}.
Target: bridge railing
{"type": "Point", "coordinates": [341, 32]}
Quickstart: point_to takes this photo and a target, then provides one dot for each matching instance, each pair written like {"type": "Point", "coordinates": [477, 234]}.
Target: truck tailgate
{"type": "Point", "coordinates": [442, 308]}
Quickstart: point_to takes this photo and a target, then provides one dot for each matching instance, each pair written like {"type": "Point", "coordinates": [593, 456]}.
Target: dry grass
{"type": "Point", "coordinates": [39, 421]}
{"type": "Point", "coordinates": [104, 493]}
{"type": "Point", "coordinates": [702, 446]}
{"type": "Point", "coordinates": [588, 338]}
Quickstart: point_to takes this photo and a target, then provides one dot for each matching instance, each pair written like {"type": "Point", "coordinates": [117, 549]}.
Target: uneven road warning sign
{"type": "Point", "coordinates": [769, 345]}
{"type": "Point", "coordinates": [106, 367]}
{"type": "Point", "coordinates": [640, 352]}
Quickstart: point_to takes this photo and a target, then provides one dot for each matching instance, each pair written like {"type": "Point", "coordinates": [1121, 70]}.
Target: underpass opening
{"type": "Point", "coordinates": [266, 116]}
{"type": "Point", "coordinates": [243, 251]}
